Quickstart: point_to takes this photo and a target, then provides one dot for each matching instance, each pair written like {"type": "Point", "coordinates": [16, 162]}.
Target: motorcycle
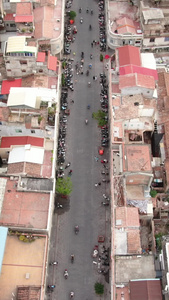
{"type": "Point", "coordinates": [89, 83]}
{"type": "Point", "coordinates": [81, 20]}
{"type": "Point", "coordinates": [91, 11]}
{"type": "Point", "coordinates": [51, 286]}
{"type": "Point", "coordinates": [90, 27]}
{"type": "Point", "coordinates": [72, 258]}
{"type": "Point", "coordinates": [53, 263]}
{"type": "Point", "coordinates": [86, 121]}
{"type": "Point", "coordinates": [87, 73]}
{"type": "Point", "coordinates": [91, 56]}
{"type": "Point", "coordinates": [67, 166]}
{"type": "Point", "coordinates": [80, 10]}
{"type": "Point", "coordinates": [82, 54]}
{"type": "Point", "coordinates": [105, 203]}
{"type": "Point", "coordinates": [72, 294]}
{"type": "Point", "coordinates": [88, 107]}
{"type": "Point", "coordinates": [76, 229]}
{"type": "Point", "coordinates": [65, 274]}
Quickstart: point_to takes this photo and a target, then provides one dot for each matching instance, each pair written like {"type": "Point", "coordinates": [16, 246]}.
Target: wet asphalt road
{"type": "Point", "coordinates": [85, 201]}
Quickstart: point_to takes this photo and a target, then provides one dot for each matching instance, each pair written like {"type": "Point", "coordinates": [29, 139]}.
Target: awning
{"type": "Point", "coordinates": [24, 19]}
{"type": "Point", "coordinates": [101, 151]}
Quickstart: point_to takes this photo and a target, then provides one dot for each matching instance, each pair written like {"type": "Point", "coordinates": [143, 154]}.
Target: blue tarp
{"type": "Point", "coordinates": [3, 237]}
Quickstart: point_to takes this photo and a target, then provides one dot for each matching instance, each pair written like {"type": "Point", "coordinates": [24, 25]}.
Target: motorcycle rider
{"type": "Point", "coordinates": [65, 274]}
{"type": "Point", "coordinates": [72, 258]}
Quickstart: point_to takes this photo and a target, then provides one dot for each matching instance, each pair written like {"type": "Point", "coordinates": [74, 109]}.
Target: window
{"type": "Point", "coordinates": [23, 71]}
{"type": "Point", "coordinates": [166, 39]}
{"type": "Point", "coordinates": [12, 25]}
{"type": "Point", "coordinates": [8, 70]}
{"type": "Point", "coordinates": [32, 131]}
{"type": "Point", "coordinates": [40, 71]}
{"type": "Point", "coordinates": [152, 40]}
{"type": "Point", "coordinates": [18, 130]}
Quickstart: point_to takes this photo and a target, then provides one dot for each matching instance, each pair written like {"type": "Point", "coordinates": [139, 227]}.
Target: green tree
{"type": "Point", "coordinates": [64, 186]}
{"type": "Point", "coordinates": [153, 193]}
{"type": "Point", "coordinates": [100, 117]}
{"type": "Point", "coordinates": [99, 288]}
{"type": "Point", "coordinates": [72, 15]}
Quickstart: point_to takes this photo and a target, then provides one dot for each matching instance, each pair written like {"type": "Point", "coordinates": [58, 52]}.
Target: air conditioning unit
{"type": "Point", "coordinates": [58, 20]}
{"type": "Point", "coordinates": [53, 86]}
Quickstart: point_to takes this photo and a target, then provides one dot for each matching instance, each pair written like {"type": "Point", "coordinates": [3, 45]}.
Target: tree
{"type": "Point", "coordinates": [72, 15]}
{"type": "Point", "coordinates": [100, 116]}
{"type": "Point", "coordinates": [99, 288]}
{"type": "Point", "coordinates": [64, 186]}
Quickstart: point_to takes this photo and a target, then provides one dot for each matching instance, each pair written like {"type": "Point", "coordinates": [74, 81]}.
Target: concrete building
{"type": "Point", "coordinates": [123, 27]}
{"type": "Point", "coordinates": [154, 25]}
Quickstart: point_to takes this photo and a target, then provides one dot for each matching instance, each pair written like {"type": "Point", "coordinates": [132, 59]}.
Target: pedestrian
{"type": "Point", "coordinates": [96, 158]}
{"type": "Point", "coordinates": [91, 44]}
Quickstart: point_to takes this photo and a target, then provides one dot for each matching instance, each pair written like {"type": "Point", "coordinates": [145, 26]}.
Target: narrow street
{"type": "Point", "coordinates": [82, 142]}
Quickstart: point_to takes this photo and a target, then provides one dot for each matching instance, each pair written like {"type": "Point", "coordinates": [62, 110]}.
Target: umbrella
{"type": "Point", "coordinates": [101, 151]}
{"type": "Point", "coordinates": [71, 21]}
{"type": "Point", "coordinates": [107, 56]}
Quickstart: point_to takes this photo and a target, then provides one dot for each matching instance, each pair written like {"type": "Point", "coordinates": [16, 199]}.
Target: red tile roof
{"type": "Point", "coordinates": [6, 142]}
{"type": "Point", "coordinates": [136, 80]}
{"type": "Point", "coordinates": [9, 17]}
{"type": "Point", "coordinates": [41, 57]}
{"type": "Point", "coordinates": [129, 55]}
{"type": "Point", "coordinates": [52, 62]}
{"type": "Point", "coordinates": [24, 8]}
{"type": "Point", "coordinates": [23, 19]}
{"type": "Point", "coordinates": [145, 289]}
{"type": "Point", "coordinates": [138, 158]}
{"type": "Point", "coordinates": [7, 84]}
{"type": "Point", "coordinates": [139, 70]}
{"type": "Point", "coordinates": [129, 217]}
{"type": "Point", "coordinates": [126, 25]}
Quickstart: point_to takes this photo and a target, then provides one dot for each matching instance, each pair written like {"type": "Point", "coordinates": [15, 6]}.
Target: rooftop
{"type": "Point", "coordinates": [18, 44]}
{"type": "Point", "coordinates": [134, 267]}
{"type": "Point", "coordinates": [21, 267]}
{"type": "Point", "coordinates": [130, 69]}
{"type": "Point", "coordinates": [153, 13]}
{"type": "Point", "coordinates": [145, 289]}
{"type": "Point", "coordinates": [32, 166]}
{"type": "Point", "coordinates": [129, 55]}
{"type": "Point", "coordinates": [8, 141]}
{"type": "Point", "coordinates": [136, 80]}
{"type": "Point", "coordinates": [24, 8]}
{"type": "Point", "coordinates": [46, 24]}
{"type": "Point", "coordinates": [127, 217]}
{"type": "Point", "coordinates": [7, 84]}
{"type": "Point", "coordinates": [24, 209]}
{"type": "Point", "coordinates": [137, 158]}
{"type": "Point", "coordinates": [126, 25]}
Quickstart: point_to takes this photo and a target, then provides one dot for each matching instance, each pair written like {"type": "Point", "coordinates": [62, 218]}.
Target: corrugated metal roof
{"type": "Point", "coordinates": [18, 44]}
{"type": "Point", "coordinates": [7, 84]}
{"type": "Point", "coordinates": [7, 142]}
{"type": "Point", "coordinates": [26, 153]}
{"type": "Point", "coordinates": [149, 289]}
{"type": "Point", "coordinates": [3, 237]}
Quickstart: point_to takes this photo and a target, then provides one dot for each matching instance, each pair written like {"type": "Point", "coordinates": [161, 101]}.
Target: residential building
{"type": "Point", "coordinates": [154, 25]}
{"type": "Point", "coordinates": [20, 56]}
{"type": "Point", "coordinates": [123, 26]}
